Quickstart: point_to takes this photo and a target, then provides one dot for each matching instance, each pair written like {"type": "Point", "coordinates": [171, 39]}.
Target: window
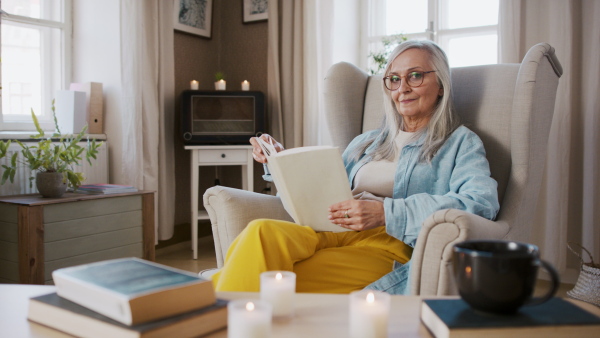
{"type": "Point", "coordinates": [466, 29]}
{"type": "Point", "coordinates": [35, 60]}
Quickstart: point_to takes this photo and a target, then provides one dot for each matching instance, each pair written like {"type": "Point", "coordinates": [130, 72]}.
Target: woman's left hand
{"type": "Point", "coordinates": [357, 214]}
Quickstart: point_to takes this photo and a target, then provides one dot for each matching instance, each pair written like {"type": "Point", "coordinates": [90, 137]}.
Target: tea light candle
{"type": "Point", "coordinates": [245, 85]}
{"type": "Point", "coordinates": [194, 85]}
{"type": "Point", "coordinates": [220, 85]}
{"type": "Point", "coordinates": [279, 289]}
{"type": "Point", "coordinates": [248, 319]}
{"type": "Point", "coordinates": [369, 313]}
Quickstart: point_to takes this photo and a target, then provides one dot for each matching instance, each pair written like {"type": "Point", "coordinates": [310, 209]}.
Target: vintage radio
{"type": "Point", "coordinates": [221, 117]}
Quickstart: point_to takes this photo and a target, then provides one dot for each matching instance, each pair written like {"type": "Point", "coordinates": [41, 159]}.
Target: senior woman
{"type": "Point", "coordinates": [419, 161]}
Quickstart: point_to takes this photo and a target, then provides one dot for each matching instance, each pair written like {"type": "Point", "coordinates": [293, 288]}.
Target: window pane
{"type": "Point", "coordinates": [406, 16]}
{"type": "Point", "coordinates": [38, 9]}
{"type": "Point", "coordinates": [470, 13]}
{"type": "Point", "coordinates": [473, 50]}
{"type": "Point", "coordinates": [24, 57]}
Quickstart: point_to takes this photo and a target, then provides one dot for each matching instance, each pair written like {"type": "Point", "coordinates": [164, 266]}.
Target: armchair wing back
{"type": "Point", "coordinates": [510, 106]}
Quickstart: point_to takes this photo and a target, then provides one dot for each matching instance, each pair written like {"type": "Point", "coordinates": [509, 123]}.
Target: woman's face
{"type": "Point", "coordinates": [415, 102]}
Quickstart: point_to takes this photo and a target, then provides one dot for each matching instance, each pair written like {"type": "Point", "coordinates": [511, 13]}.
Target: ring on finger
{"type": "Point", "coordinates": [346, 214]}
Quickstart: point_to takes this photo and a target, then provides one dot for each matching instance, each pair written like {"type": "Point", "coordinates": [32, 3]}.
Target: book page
{"type": "Point", "coordinates": [309, 181]}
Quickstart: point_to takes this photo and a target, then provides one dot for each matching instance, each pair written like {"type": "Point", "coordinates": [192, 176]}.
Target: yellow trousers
{"type": "Point", "coordinates": [324, 262]}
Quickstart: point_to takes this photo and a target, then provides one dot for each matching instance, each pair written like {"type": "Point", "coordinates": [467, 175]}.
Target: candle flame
{"type": "Point", "coordinates": [278, 276]}
{"type": "Point", "coordinates": [250, 306]}
{"type": "Point", "coordinates": [370, 298]}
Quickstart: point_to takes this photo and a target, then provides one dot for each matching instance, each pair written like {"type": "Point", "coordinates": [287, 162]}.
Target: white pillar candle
{"type": "Point", "coordinates": [369, 313]}
{"type": "Point", "coordinates": [248, 319]}
{"type": "Point", "coordinates": [279, 289]}
{"type": "Point", "coordinates": [194, 85]}
{"type": "Point", "coordinates": [245, 85]}
{"type": "Point", "coordinates": [220, 85]}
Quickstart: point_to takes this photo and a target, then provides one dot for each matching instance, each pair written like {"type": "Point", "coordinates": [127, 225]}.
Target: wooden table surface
{"type": "Point", "coordinates": [316, 315]}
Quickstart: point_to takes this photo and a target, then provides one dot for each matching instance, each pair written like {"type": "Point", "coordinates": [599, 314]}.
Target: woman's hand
{"type": "Point", "coordinates": [357, 214]}
{"type": "Point", "coordinates": [257, 152]}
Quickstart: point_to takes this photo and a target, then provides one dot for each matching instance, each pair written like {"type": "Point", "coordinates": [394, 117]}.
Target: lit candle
{"type": "Point", "coordinates": [248, 319]}
{"type": "Point", "coordinates": [279, 289]}
{"type": "Point", "coordinates": [220, 85]}
{"type": "Point", "coordinates": [194, 85]}
{"type": "Point", "coordinates": [245, 85]}
{"type": "Point", "coordinates": [369, 313]}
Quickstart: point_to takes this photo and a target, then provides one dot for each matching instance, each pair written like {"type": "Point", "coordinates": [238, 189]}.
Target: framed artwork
{"type": "Point", "coordinates": [255, 10]}
{"type": "Point", "coordinates": [193, 16]}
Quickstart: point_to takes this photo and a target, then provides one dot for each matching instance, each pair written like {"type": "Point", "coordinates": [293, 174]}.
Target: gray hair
{"type": "Point", "coordinates": [444, 119]}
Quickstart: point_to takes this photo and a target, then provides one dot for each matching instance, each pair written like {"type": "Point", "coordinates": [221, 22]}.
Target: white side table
{"type": "Point", "coordinates": [217, 156]}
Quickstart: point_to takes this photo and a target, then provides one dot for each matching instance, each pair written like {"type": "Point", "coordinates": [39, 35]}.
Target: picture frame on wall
{"type": "Point", "coordinates": [193, 16]}
{"type": "Point", "coordinates": [255, 10]}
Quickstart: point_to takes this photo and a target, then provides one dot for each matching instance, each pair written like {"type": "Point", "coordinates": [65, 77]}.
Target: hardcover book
{"type": "Point", "coordinates": [309, 180]}
{"type": "Point", "coordinates": [554, 318]}
{"type": "Point", "coordinates": [132, 290]}
{"type": "Point", "coordinates": [63, 315]}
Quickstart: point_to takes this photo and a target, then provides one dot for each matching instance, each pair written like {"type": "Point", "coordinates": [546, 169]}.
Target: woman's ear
{"type": "Point", "coordinates": [441, 91]}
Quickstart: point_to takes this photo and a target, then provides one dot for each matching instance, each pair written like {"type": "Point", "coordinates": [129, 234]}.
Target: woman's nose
{"type": "Point", "coordinates": [403, 87]}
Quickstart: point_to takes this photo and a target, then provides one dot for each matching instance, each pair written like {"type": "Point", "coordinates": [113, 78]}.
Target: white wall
{"type": "Point", "coordinates": [97, 58]}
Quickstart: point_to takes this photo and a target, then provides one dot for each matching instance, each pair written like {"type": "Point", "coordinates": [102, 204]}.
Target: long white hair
{"type": "Point", "coordinates": [443, 119]}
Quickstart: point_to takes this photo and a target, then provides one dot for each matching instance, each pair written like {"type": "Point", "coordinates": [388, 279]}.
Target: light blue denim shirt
{"type": "Point", "coordinates": [458, 177]}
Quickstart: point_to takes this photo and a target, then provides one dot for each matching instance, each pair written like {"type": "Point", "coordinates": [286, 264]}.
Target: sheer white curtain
{"type": "Point", "coordinates": [306, 37]}
{"type": "Point", "coordinates": [148, 101]}
{"type": "Point", "coordinates": [569, 204]}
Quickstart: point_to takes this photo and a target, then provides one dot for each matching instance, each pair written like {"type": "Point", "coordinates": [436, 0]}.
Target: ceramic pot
{"type": "Point", "coordinates": [50, 184]}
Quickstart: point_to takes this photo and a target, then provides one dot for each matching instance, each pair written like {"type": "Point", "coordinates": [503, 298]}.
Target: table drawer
{"type": "Point", "coordinates": [223, 156]}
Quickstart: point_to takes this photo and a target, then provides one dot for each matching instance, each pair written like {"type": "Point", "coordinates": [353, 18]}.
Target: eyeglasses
{"type": "Point", "coordinates": [413, 79]}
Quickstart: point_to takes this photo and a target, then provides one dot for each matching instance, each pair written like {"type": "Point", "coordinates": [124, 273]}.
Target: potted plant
{"type": "Point", "coordinates": [52, 161]}
{"type": "Point", "coordinates": [380, 59]}
{"type": "Point", "coordinates": [220, 83]}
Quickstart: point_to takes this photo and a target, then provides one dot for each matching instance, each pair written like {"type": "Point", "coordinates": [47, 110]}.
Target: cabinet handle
{"type": "Point", "coordinates": [223, 155]}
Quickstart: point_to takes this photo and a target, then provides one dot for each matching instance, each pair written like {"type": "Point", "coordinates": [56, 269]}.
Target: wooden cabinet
{"type": "Point", "coordinates": [39, 235]}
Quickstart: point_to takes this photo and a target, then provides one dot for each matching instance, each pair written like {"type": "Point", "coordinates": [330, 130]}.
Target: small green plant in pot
{"type": "Point", "coordinates": [380, 58]}
{"type": "Point", "coordinates": [50, 161]}
{"type": "Point", "coordinates": [220, 83]}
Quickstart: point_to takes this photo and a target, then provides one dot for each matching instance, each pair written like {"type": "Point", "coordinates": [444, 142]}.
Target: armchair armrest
{"type": "Point", "coordinates": [230, 210]}
{"type": "Point", "coordinates": [431, 266]}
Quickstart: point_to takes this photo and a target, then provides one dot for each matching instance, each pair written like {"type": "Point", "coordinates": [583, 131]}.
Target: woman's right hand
{"type": "Point", "coordinates": [257, 152]}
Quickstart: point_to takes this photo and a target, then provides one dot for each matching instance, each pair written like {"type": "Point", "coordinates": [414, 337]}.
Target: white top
{"type": "Point", "coordinates": [377, 177]}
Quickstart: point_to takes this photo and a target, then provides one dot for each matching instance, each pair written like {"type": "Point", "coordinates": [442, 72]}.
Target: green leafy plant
{"type": "Point", "coordinates": [50, 156]}
{"type": "Point", "coordinates": [380, 58]}
{"type": "Point", "coordinates": [219, 76]}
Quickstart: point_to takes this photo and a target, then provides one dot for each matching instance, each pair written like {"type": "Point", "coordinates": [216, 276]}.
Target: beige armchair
{"type": "Point", "coordinates": [510, 106]}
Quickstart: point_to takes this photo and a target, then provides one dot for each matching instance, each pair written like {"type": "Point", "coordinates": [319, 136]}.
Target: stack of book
{"type": "Point", "coordinates": [129, 297]}
{"type": "Point", "coordinates": [105, 189]}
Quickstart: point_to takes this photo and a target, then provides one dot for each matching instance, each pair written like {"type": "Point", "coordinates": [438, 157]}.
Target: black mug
{"type": "Point", "coordinates": [499, 276]}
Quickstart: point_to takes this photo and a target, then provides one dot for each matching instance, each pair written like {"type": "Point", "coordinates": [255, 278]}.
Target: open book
{"type": "Point", "coordinates": [309, 180]}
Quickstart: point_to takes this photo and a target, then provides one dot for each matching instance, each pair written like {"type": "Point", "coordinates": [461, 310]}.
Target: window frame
{"type": "Point", "coordinates": [64, 52]}
{"type": "Point", "coordinates": [434, 32]}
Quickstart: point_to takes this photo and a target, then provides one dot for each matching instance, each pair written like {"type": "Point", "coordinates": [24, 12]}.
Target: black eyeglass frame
{"type": "Point", "coordinates": [407, 82]}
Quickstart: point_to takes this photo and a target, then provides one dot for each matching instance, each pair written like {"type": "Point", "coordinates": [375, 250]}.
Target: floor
{"type": "Point", "coordinates": [180, 256]}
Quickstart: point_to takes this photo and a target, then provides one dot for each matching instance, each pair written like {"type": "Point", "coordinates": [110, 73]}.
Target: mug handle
{"type": "Point", "coordinates": [555, 284]}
